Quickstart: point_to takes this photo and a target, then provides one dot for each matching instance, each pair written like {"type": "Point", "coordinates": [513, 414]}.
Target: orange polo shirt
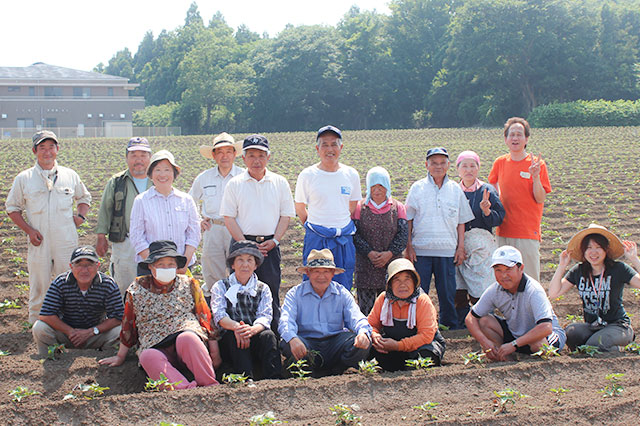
{"type": "Point", "coordinates": [426, 321]}
{"type": "Point", "coordinates": [515, 185]}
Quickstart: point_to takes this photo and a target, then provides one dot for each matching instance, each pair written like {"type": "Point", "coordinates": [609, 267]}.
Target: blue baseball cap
{"type": "Point", "coordinates": [329, 128]}
{"type": "Point", "coordinates": [256, 142]}
{"type": "Point", "coordinates": [437, 151]}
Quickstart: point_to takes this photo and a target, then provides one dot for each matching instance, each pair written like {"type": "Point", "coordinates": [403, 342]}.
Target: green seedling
{"type": "Point", "coordinates": [559, 298]}
{"type": "Point", "coordinates": [22, 274]}
{"type": "Point", "coordinates": [21, 393]}
{"type": "Point", "coordinates": [267, 418]}
{"type": "Point", "coordinates": [635, 292]}
{"type": "Point", "coordinates": [86, 391]}
{"type": "Point", "coordinates": [547, 352]}
{"type": "Point", "coordinates": [475, 358]}
{"type": "Point", "coordinates": [26, 326]}
{"type": "Point", "coordinates": [614, 388]}
{"type": "Point", "coordinates": [369, 367]}
{"type": "Point", "coordinates": [9, 304]}
{"type": "Point", "coordinates": [234, 379]}
{"type": "Point", "coordinates": [17, 260]}
{"type": "Point", "coordinates": [8, 240]}
{"type": "Point", "coordinates": [587, 350]}
{"type": "Point", "coordinates": [170, 424]}
{"type": "Point", "coordinates": [633, 347]}
{"type": "Point", "coordinates": [575, 318]}
{"type": "Point", "coordinates": [11, 251]}
{"type": "Point", "coordinates": [420, 363]}
{"type": "Point", "coordinates": [443, 327]}
{"type": "Point", "coordinates": [161, 384]}
{"type": "Point", "coordinates": [345, 415]}
{"type": "Point", "coordinates": [427, 406]}
{"type": "Point", "coordinates": [504, 397]}
{"type": "Point", "coordinates": [559, 390]}
{"type": "Point", "coordinates": [298, 370]}
{"type": "Point", "coordinates": [54, 350]}
{"type": "Point", "coordinates": [4, 353]}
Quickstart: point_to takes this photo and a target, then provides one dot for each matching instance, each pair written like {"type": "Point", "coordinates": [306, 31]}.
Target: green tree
{"type": "Point", "coordinates": [121, 64]}
{"type": "Point", "coordinates": [155, 115]}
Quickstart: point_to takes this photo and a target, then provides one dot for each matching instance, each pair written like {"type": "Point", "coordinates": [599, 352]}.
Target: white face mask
{"type": "Point", "coordinates": [165, 275]}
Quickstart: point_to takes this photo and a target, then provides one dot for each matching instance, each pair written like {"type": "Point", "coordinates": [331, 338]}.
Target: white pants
{"type": "Point", "coordinates": [45, 262]}
{"type": "Point", "coordinates": [123, 264]}
{"type": "Point", "coordinates": [44, 335]}
{"type": "Point", "coordinates": [530, 250]}
{"type": "Point", "coordinates": [215, 249]}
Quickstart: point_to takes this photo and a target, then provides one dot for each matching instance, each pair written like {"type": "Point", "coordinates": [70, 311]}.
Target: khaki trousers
{"type": "Point", "coordinates": [123, 264]}
{"type": "Point", "coordinates": [530, 250]}
{"type": "Point", "coordinates": [45, 336]}
{"type": "Point", "coordinates": [215, 249]}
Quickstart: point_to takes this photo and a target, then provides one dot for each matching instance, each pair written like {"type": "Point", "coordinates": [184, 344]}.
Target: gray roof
{"type": "Point", "coordinates": [41, 71]}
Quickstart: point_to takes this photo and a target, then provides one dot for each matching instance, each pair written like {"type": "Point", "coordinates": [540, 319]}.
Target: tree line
{"type": "Point", "coordinates": [436, 63]}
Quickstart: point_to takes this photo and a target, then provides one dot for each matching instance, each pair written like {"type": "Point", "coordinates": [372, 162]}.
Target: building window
{"type": "Point", "coordinates": [32, 91]}
{"type": "Point", "coordinates": [14, 89]}
{"type": "Point", "coordinates": [25, 123]}
{"type": "Point", "coordinates": [53, 91]}
{"type": "Point", "coordinates": [82, 92]}
{"type": "Point", "coordinates": [110, 91]}
{"type": "Point", "coordinates": [51, 122]}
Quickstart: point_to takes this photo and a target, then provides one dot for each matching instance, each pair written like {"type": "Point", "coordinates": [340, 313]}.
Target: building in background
{"type": "Point", "coordinates": [70, 102]}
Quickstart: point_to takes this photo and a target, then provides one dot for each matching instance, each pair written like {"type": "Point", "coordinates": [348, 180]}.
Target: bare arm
{"type": "Point", "coordinates": [560, 285]}
{"type": "Point", "coordinates": [234, 228]}
{"type": "Point", "coordinates": [301, 211]}
{"type": "Point", "coordinates": [281, 228]}
{"type": "Point", "coordinates": [410, 253]}
{"type": "Point", "coordinates": [352, 207]}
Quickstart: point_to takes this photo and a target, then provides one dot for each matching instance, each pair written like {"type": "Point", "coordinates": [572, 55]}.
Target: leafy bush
{"type": "Point", "coordinates": [586, 113]}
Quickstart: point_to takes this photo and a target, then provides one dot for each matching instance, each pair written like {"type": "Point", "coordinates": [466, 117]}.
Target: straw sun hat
{"type": "Point", "coordinates": [223, 139]}
{"type": "Point", "coordinates": [616, 248]}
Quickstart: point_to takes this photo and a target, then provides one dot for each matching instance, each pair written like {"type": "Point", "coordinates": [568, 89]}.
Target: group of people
{"type": "Point", "coordinates": [387, 250]}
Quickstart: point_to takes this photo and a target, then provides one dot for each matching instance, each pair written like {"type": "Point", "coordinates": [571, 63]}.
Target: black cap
{"type": "Point", "coordinates": [84, 252]}
{"type": "Point", "coordinates": [437, 151]}
{"type": "Point", "coordinates": [160, 249]}
{"type": "Point", "coordinates": [256, 142]}
{"type": "Point", "coordinates": [329, 128]}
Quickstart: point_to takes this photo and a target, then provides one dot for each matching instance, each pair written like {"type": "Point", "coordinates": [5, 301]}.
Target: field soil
{"type": "Point", "coordinates": [594, 177]}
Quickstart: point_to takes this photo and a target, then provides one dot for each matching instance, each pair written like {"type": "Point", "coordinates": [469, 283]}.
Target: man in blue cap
{"type": "Point", "coordinates": [437, 210]}
{"type": "Point", "coordinates": [326, 196]}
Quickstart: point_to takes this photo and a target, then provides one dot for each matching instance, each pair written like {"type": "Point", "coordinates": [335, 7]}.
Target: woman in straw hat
{"type": "Point", "coordinates": [163, 212]}
{"type": "Point", "coordinates": [404, 321]}
{"type": "Point", "coordinates": [599, 279]}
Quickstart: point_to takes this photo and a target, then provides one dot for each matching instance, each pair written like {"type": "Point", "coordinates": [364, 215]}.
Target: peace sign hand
{"type": "Point", "coordinates": [485, 204]}
{"type": "Point", "coordinates": [534, 168]}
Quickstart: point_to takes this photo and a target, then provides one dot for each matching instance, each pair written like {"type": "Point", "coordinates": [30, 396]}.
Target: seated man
{"type": "Point", "coordinates": [74, 308]}
{"type": "Point", "coordinates": [529, 320]}
{"type": "Point", "coordinates": [316, 315]}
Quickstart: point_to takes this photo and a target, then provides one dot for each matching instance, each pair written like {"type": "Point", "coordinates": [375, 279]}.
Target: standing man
{"type": "Point", "coordinates": [257, 206]}
{"type": "Point", "coordinates": [523, 183]}
{"type": "Point", "coordinates": [45, 193]}
{"type": "Point", "coordinates": [208, 187]}
{"type": "Point", "coordinates": [83, 307]}
{"type": "Point", "coordinates": [115, 212]}
{"type": "Point", "coordinates": [528, 319]}
{"type": "Point", "coordinates": [437, 210]}
{"type": "Point", "coordinates": [326, 195]}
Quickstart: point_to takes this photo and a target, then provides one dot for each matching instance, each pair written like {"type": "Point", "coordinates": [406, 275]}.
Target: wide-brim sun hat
{"type": "Point", "coordinates": [163, 154]}
{"type": "Point", "coordinates": [223, 139]}
{"type": "Point", "coordinates": [402, 265]}
{"type": "Point", "coordinates": [245, 247]}
{"type": "Point", "coordinates": [616, 248]}
{"type": "Point", "coordinates": [319, 259]}
{"type": "Point", "coordinates": [160, 249]}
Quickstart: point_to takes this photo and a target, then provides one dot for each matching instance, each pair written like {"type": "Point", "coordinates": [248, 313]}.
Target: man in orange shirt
{"type": "Point", "coordinates": [523, 183]}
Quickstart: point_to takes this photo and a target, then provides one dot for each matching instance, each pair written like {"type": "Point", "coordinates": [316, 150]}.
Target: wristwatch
{"type": "Point", "coordinates": [96, 331]}
{"type": "Point", "coordinates": [276, 241]}
{"type": "Point", "coordinates": [514, 344]}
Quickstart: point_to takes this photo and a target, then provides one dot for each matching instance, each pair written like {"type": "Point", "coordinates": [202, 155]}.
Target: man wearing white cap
{"type": "Point", "coordinates": [45, 193]}
{"type": "Point", "coordinates": [115, 212]}
{"type": "Point", "coordinates": [208, 188]}
{"type": "Point", "coordinates": [527, 320]}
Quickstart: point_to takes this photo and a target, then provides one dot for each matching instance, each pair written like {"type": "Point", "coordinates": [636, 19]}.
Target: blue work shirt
{"type": "Point", "coordinates": [305, 314]}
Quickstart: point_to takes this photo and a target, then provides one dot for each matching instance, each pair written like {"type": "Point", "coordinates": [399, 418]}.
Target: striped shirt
{"type": "Point", "coordinates": [65, 300]}
{"type": "Point", "coordinates": [156, 217]}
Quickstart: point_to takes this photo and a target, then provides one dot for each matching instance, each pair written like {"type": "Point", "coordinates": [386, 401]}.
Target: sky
{"type": "Point", "coordinates": [79, 34]}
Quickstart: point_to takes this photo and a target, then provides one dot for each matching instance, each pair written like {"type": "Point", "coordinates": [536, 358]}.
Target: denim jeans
{"type": "Point", "coordinates": [445, 278]}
